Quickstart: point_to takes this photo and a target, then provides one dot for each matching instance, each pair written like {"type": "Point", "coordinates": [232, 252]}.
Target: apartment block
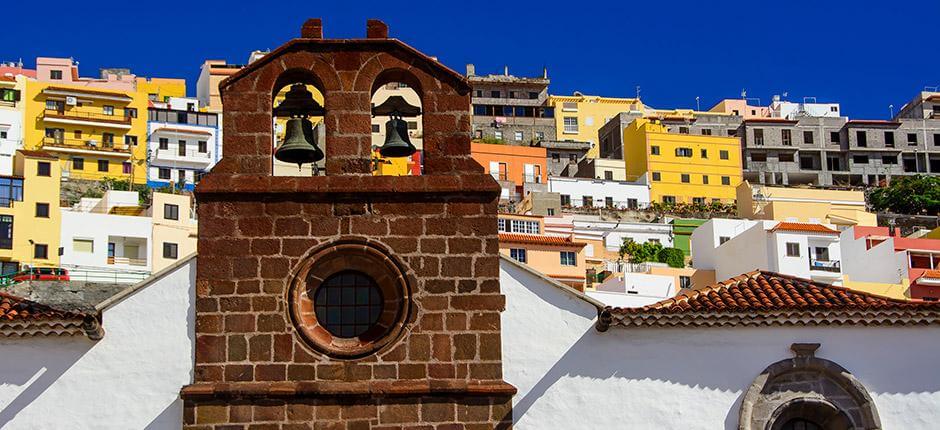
{"type": "Point", "coordinates": [880, 261]}
{"type": "Point", "coordinates": [518, 169]}
{"type": "Point", "coordinates": [510, 109]}
{"type": "Point", "coordinates": [12, 91]}
{"type": "Point", "coordinates": [600, 193]}
{"type": "Point", "coordinates": [842, 208]}
{"type": "Point", "coordinates": [523, 238]}
{"type": "Point", "coordinates": [183, 143]}
{"type": "Point", "coordinates": [579, 117]}
{"type": "Point", "coordinates": [29, 212]}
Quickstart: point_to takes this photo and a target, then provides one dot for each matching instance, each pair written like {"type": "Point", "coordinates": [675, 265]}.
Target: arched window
{"type": "Point", "coordinates": [397, 90]}
{"type": "Point", "coordinates": [297, 88]}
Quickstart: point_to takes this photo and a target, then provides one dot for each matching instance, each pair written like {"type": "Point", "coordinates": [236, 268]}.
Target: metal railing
{"type": "Point", "coordinates": [127, 261]}
{"type": "Point", "coordinates": [825, 265]}
{"type": "Point", "coordinates": [89, 144]}
{"type": "Point", "coordinates": [87, 116]}
{"type": "Point", "coordinates": [82, 274]}
{"type": "Point", "coordinates": [176, 153]}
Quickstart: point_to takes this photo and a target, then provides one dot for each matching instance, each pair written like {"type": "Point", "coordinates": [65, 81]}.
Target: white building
{"type": "Point", "coordinates": [809, 251]}
{"type": "Point", "coordinates": [580, 192]}
{"type": "Point", "coordinates": [632, 290]}
{"type": "Point", "coordinates": [611, 233]}
{"type": "Point", "coordinates": [117, 366]}
{"type": "Point", "coordinates": [11, 119]}
{"type": "Point", "coordinates": [183, 143]}
{"type": "Point", "coordinates": [809, 107]}
{"type": "Point", "coordinates": [685, 364]}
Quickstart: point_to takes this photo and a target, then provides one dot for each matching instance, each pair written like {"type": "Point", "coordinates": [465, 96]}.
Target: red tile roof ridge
{"type": "Point", "coordinates": [803, 226]}
{"type": "Point", "coordinates": [16, 308]}
{"type": "Point", "coordinates": [539, 239]}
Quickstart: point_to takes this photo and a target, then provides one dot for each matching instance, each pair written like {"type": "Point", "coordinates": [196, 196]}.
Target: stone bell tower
{"type": "Point", "coordinates": [347, 300]}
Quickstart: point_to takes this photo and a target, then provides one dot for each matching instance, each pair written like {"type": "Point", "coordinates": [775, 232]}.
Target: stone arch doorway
{"type": "Point", "coordinates": [807, 393]}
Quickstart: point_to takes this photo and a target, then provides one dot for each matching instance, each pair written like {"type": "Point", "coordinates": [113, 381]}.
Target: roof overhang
{"type": "Point", "coordinates": [88, 94]}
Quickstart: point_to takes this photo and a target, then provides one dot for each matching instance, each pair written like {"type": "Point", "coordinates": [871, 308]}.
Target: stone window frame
{"type": "Point", "coordinates": [365, 257]}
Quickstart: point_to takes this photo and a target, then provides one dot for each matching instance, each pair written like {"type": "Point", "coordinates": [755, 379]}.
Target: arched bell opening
{"type": "Point", "coordinates": [299, 144]}
{"type": "Point", "coordinates": [397, 128]}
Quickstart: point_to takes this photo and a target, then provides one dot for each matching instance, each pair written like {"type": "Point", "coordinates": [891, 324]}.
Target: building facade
{"type": "Point", "coordinates": [12, 93]}
{"type": "Point", "coordinates": [29, 212]}
{"type": "Point", "coordinates": [518, 169]}
{"type": "Point", "coordinates": [523, 238]}
{"type": "Point", "coordinates": [583, 192]}
{"type": "Point", "coordinates": [510, 109]}
{"type": "Point", "coordinates": [579, 117]}
{"type": "Point", "coordinates": [182, 143]}
{"type": "Point", "coordinates": [841, 208]}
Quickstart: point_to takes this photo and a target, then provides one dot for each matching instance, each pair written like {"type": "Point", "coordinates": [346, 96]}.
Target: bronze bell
{"type": "Point", "coordinates": [397, 143]}
{"type": "Point", "coordinates": [300, 143]}
{"type": "Point", "coordinates": [298, 102]}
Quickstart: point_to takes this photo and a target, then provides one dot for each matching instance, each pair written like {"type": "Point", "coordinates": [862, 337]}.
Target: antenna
{"type": "Point", "coordinates": [744, 93]}
{"type": "Point", "coordinates": [891, 111]}
{"type": "Point", "coordinates": [637, 92]}
{"type": "Point", "coordinates": [786, 94]}
{"type": "Point", "coordinates": [697, 106]}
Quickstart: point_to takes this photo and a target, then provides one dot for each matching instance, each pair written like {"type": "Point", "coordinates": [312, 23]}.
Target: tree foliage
{"type": "Point", "coordinates": [674, 257]}
{"type": "Point", "coordinates": [914, 195]}
{"type": "Point", "coordinates": [651, 251]}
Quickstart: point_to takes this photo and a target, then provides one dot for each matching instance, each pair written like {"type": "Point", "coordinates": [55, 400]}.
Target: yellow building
{"type": "Point", "coordinates": [174, 229]}
{"type": "Point", "coordinates": [682, 168]}
{"type": "Point", "coordinates": [97, 128]}
{"type": "Point", "coordinates": [29, 212]}
{"type": "Point", "coordinates": [579, 117]}
{"type": "Point", "coordinates": [809, 205]}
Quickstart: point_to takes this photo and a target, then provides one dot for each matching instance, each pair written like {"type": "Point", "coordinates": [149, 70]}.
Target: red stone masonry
{"type": "Point", "coordinates": [254, 367]}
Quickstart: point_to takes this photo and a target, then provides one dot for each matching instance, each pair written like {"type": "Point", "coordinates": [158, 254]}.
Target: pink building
{"type": "Point", "coordinates": [920, 258]}
{"type": "Point", "coordinates": [65, 71]}
{"type": "Point", "coordinates": [741, 108]}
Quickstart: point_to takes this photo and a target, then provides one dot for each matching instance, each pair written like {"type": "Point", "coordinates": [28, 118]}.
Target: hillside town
{"type": "Point", "coordinates": [347, 234]}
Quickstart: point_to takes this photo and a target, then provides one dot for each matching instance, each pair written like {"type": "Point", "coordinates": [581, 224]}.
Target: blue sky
{"type": "Point", "coordinates": [865, 55]}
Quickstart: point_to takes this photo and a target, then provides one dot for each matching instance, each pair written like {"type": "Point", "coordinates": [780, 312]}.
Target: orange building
{"type": "Point", "coordinates": [513, 166]}
{"type": "Point", "coordinates": [522, 238]}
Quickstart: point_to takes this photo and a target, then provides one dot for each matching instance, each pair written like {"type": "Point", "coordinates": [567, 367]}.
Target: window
{"type": "Point", "coordinates": [807, 137]}
{"type": "Point", "coordinates": [633, 204]}
{"type": "Point", "coordinates": [40, 251]}
{"type": "Point", "coordinates": [202, 147]}
{"type": "Point", "coordinates": [822, 253]}
{"type": "Point", "coordinates": [494, 94]}
{"type": "Point", "coordinates": [42, 210]}
{"type": "Point", "coordinates": [83, 245]}
{"type": "Point", "coordinates": [685, 178]}
{"type": "Point", "coordinates": [936, 139]}
{"type": "Point", "coordinates": [705, 179]}
{"type": "Point", "coordinates": [723, 239]}
{"type": "Point", "coordinates": [78, 163]}
{"type": "Point", "coordinates": [860, 159]}
{"type": "Point", "coordinates": [834, 137]}
{"type": "Point", "coordinates": [533, 95]}
{"type": "Point", "coordinates": [55, 75]}
{"type": "Point", "coordinates": [683, 152]}
{"type": "Point", "coordinates": [11, 190]}
{"type": "Point", "coordinates": [376, 128]}
{"type": "Point", "coordinates": [477, 134]}
{"type": "Point", "coordinates": [498, 135]}
{"type": "Point", "coordinates": [102, 165]}
{"type": "Point", "coordinates": [171, 212]}
{"type": "Point", "coordinates": [565, 200]}
{"type": "Point", "coordinates": [181, 176]}
{"type": "Point", "coordinates": [732, 132]}
{"type": "Point", "coordinates": [698, 200]}
{"type": "Point", "coordinates": [912, 138]}
{"type": "Point", "coordinates": [108, 110]}
{"type": "Point", "coordinates": [609, 202]}
{"type": "Point", "coordinates": [107, 140]}
{"type": "Point", "coordinates": [861, 138]}
{"type": "Point", "coordinates": [758, 136]}
{"type": "Point", "coordinates": [568, 258]}
{"type": "Point", "coordinates": [669, 199]}
{"type": "Point", "coordinates": [889, 139]}
{"type": "Point", "coordinates": [6, 232]}
{"type": "Point", "coordinates": [163, 173]}
{"type": "Point", "coordinates": [571, 124]}
{"type": "Point", "coordinates": [130, 112]}
{"type": "Point", "coordinates": [512, 94]}
{"type": "Point", "coordinates": [587, 201]}
{"type": "Point", "coordinates": [77, 134]}
{"type": "Point", "coordinates": [706, 132]}
{"type": "Point", "coordinates": [758, 156]}
{"type": "Point", "coordinates": [43, 168]}
{"type": "Point", "coordinates": [181, 148]}
{"type": "Point", "coordinates": [608, 175]}
{"type": "Point", "coordinates": [704, 153]}
{"type": "Point", "coordinates": [889, 159]}
{"type": "Point", "coordinates": [164, 143]}
{"type": "Point", "coordinates": [478, 93]}
{"type": "Point", "coordinates": [539, 135]}
{"type": "Point", "coordinates": [785, 136]}
{"type": "Point", "coordinates": [130, 140]}
{"type": "Point", "coordinates": [518, 254]}
{"type": "Point", "coordinates": [573, 157]}
{"type": "Point", "coordinates": [723, 154]}
{"type": "Point", "coordinates": [518, 135]}
{"type": "Point", "coordinates": [807, 163]}
{"type": "Point", "coordinates": [793, 249]}
{"type": "Point", "coordinates": [556, 157]}
{"type": "Point", "coordinates": [170, 250]}
{"type": "Point", "coordinates": [685, 282]}
{"type": "Point", "coordinates": [785, 156]}
{"type": "Point", "coordinates": [550, 211]}
{"type": "Point", "coordinates": [654, 150]}
{"type": "Point", "coordinates": [683, 130]}
{"type": "Point", "coordinates": [657, 176]}
{"type": "Point", "coordinates": [725, 180]}
{"type": "Point", "coordinates": [522, 226]}
{"type": "Point", "coordinates": [569, 106]}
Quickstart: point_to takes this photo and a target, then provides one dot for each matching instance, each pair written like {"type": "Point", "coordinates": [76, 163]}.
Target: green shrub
{"type": "Point", "coordinates": [674, 257]}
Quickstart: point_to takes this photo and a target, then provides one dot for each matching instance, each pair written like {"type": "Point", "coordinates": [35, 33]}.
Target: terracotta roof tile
{"type": "Point", "coordinates": [931, 274]}
{"type": "Point", "coordinates": [538, 239]}
{"type": "Point", "coordinates": [799, 226]}
{"type": "Point", "coordinates": [23, 317]}
{"type": "Point", "coordinates": [767, 298]}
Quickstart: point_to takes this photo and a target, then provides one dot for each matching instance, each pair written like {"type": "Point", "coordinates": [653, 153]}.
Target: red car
{"type": "Point", "coordinates": [41, 274]}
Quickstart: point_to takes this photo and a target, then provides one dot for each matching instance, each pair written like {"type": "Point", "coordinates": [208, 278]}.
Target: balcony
{"type": "Point", "coordinates": [825, 265]}
{"type": "Point", "coordinates": [73, 116]}
{"type": "Point", "coordinates": [127, 261]}
{"type": "Point", "coordinates": [188, 155]}
{"type": "Point", "coordinates": [85, 146]}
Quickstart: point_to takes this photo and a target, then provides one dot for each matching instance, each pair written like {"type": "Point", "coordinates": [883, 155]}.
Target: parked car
{"type": "Point", "coordinates": [41, 274]}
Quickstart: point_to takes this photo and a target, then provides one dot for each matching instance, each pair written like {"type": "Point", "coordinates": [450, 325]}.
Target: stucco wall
{"type": "Point", "coordinates": [620, 192]}
{"type": "Point", "coordinates": [130, 379]}
{"type": "Point", "coordinates": [98, 227]}
{"type": "Point", "coordinates": [571, 376]}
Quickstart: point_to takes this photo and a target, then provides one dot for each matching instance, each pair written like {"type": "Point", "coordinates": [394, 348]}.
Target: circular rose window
{"type": "Point", "coordinates": [349, 300]}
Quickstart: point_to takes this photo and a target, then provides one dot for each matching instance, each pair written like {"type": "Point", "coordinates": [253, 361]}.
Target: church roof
{"type": "Point", "coordinates": [23, 317]}
{"type": "Point", "coordinates": [764, 298]}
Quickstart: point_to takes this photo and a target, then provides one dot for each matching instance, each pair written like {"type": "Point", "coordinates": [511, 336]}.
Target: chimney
{"type": "Point", "coordinates": [505, 70]}
{"type": "Point", "coordinates": [471, 70]}
{"type": "Point", "coordinates": [312, 29]}
{"type": "Point", "coordinates": [544, 72]}
{"type": "Point", "coordinates": [376, 29]}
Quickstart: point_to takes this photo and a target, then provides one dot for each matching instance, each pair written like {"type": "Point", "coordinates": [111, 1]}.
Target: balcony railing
{"type": "Point", "coordinates": [87, 116]}
{"type": "Point", "coordinates": [825, 265]}
{"type": "Point", "coordinates": [500, 176]}
{"type": "Point", "coordinates": [89, 144]}
{"type": "Point", "coordinates": [532, 179]}
{"type": "Point", "coordinates": [176, 153]}
{"type": "Point", "coordinates": [127, 261]}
